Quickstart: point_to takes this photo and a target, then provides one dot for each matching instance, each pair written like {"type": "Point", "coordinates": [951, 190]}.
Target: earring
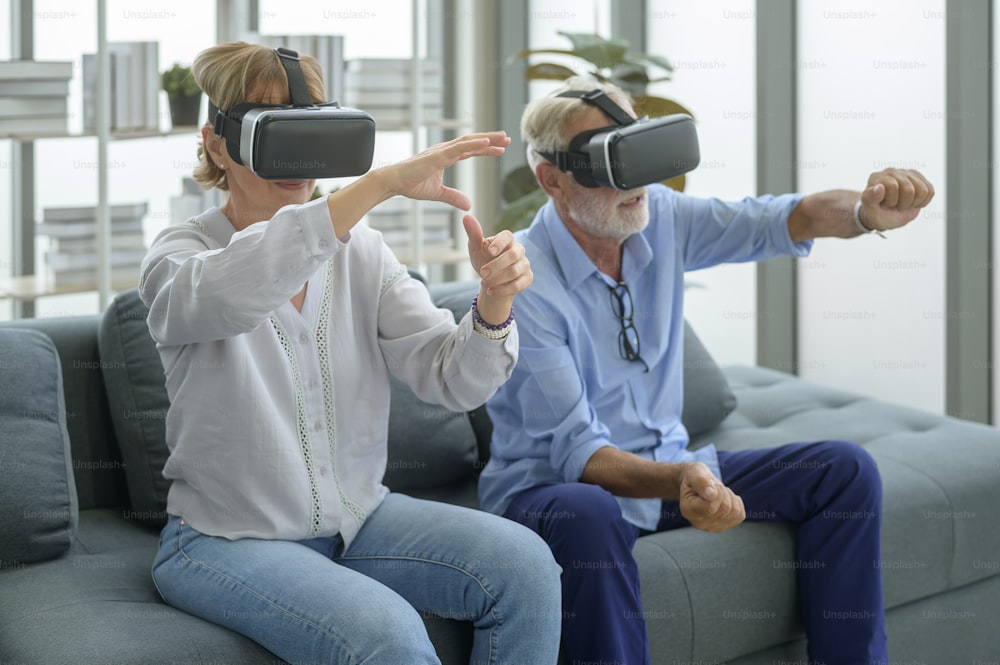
{"type": "Point", "coordinates": [222, 166]}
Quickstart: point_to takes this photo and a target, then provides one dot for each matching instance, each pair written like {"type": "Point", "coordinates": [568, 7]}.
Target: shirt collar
{"type": "Point", "coordinates": [215, 223]}
{"type": "Point", "coordinates": [574, 263]}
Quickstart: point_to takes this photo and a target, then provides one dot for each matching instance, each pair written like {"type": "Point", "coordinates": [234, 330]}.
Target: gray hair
{"type": "Point", "coordinates": [543, 119]}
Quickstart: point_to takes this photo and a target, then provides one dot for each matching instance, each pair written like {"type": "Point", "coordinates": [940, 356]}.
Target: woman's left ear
{"type": "Point", "coordinates": [214, 145]}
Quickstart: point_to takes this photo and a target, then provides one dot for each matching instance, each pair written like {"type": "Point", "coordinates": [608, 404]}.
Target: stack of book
{"type": "Point", "coordinates": [327, 49]}
{"type": "Point", "coordinates": [394, 219]}
{"type": "Point", "coordinates": [193, 201]}
{"type": "Point", "coordinates": [33, 97]}
{"type": "Point", "coordinates": [384, 88]}
{"type": "Point", "coordinates": [135, 87]}
{"type": "Point", "coordinates": [72, 255]}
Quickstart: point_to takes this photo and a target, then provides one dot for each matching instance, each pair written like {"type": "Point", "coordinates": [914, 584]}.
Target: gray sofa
{"type": "Point", "coordinates": [80, 503]}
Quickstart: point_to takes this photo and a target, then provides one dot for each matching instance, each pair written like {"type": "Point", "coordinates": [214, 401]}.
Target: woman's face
{"type": "Point", "coordinates": [251, 198]}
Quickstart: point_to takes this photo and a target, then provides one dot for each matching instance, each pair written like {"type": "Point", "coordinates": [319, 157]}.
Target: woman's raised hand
{"type": "Point", "coordinates": [421, 176]}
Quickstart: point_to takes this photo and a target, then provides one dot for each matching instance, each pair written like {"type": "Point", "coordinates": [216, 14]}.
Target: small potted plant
{"type": "Point", "coordinates": [183, 94]}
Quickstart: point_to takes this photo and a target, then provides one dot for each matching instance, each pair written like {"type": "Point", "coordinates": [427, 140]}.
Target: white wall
{"type": "Point", "coordinates": [712, 46]}
{"type": "Point", "coordinates": [6, 265]}
{"type": "Point", "coordinates": [996, 229]}
{"type": "Point", "coordinates": [871, 95]}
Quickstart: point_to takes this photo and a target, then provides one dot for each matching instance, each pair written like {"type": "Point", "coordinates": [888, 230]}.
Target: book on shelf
{"type": "Point", "coordinates": [19, 70]}
{"type": "Point", "coordinates": [120, 275]}
{"type": "Point", "coordinates": [394, 237]}
{"type": "Point", "coordinates": [428, 250]}
{"type": "Point", "coordinates": [401, 209]}
{"type": "Point", "coordinates": [88, 68]}
{"type": "Point", "coordinates": [121, 82]}
{"type": "Point", "coordinates": [35, 88]}
{"type": "Point", "coordinates": [391, 74]}
{"type": "Point", "coordinates": [135, 86]}
{"type": "Point", "coordinates": [20, 107]}
{"type": "Point", "coordinates": [193, 201]}
{"type": "Point", "coordinates": [119, 211]}
{"type": "Point", "coordinates": [86, 229]}
{"type": "Point", "coordinates": [398, 118]}
{"type": "Point", "coordinates": [43, 124]}
{"type": "Point", "coordinates": [83, 261]}
{"type": "Point", "coordinates": [88, 244]}
{"type": "Point", "coordinates": [81, 221]}
{"type": "Point", "coordinates": [399, 98]}
{"type": "Point", "coordinates": [22, 81]}
{"type": "Point", "coordinates": [35, 69]}
{"type": "Point", "coordinates": [432, 222]}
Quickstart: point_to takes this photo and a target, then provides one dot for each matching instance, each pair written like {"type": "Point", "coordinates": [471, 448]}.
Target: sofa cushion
{"type": "Point", "coordinates": [97, 464]}
{"type": "Point", "coordinates": [941, 521]}
{"type": "Point", "coordinates": [708, 399]}
{"type": "Point", "coordinates": [137, 398]}
{"type": "Point", "coordinates": [38, 503]}
{"type": "Point", "coordinates": [429, 445]}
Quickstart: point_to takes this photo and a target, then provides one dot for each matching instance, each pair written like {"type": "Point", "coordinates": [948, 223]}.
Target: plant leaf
{"type": "Point", "coordinates": [518, 182]}
{"type": "Point", "coordinates": [604, 53]}
{"type": "Point", "coordinates": [548, 71]}
{"type": "Point", "coordinates": [655, 107]}
{"type": "Point", "coordinates": [645, 59]}
{"type": "Point", "coordinates": [538, 51]}
{"type": "Point", "coordinates": [518, 215]}
{"type": "Point", "coordinates": [677, 183]}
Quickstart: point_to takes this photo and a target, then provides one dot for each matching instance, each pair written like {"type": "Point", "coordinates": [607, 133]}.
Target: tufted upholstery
{"type": "Point", "coordinates": [708, 598]}
{"type": "Point", "coordinates": [941, 529]}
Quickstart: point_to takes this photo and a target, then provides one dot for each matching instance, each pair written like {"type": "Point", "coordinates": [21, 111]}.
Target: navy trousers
{"type": "Point", "coordinates": [830, 490]}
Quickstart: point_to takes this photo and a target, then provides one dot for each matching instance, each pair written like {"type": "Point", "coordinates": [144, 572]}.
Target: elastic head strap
{"type": "Point", "coordinates": [599, 99]}
{"type": "Point", "coordinates": [227, 126]}
{"type": "Point", "coordinates": [296, 80]}
{"type": "Point", "coordinates": [574, 160]}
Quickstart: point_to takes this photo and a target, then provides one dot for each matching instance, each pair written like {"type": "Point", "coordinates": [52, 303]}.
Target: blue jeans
{"type": "Point", "coordinates": [313, 602]}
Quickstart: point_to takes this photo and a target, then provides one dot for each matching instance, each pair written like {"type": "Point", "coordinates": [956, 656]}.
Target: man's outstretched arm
{"type": "Point", "coordinates": [892, 199]}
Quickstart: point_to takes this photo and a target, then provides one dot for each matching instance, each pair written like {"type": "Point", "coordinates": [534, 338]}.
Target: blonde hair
{"type": "Point", "coordinates": [543, 119]}
{"type": "Point", "coordinates": [229, 74]}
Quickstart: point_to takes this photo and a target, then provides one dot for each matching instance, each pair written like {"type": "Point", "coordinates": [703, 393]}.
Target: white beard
{"type": "Point", "coordinates": [588, 209]}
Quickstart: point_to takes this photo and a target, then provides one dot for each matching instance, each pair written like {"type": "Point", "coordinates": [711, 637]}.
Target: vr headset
{"type": "Point", "coordinates": [631, 153]}
{"type": "Point", "coordinates": [300, 141]}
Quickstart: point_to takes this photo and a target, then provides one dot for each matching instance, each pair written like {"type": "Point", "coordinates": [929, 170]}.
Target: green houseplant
{"type": "Point", "coordinates": [183, 94]}
{"type": "Point", "coordinates": [607, 60]}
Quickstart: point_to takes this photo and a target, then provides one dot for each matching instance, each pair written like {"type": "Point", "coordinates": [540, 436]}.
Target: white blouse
{"type": "Point", "coordinates": [278, 419]}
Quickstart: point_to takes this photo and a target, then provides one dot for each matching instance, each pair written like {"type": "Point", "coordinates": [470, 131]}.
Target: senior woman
{"type": "Point", "coordinates": [279, 320]}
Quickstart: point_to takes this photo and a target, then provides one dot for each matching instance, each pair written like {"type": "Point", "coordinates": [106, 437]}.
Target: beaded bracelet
{"type": "Point", "coordinates": [488, 329]}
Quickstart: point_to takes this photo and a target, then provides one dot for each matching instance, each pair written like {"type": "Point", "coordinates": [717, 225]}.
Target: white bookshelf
{"type": "Point", "coordinates": [235, 20]}
{"type": "Point", "coordinates": [29, 281]}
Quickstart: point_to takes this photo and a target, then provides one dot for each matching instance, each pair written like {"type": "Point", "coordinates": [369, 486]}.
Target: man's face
{"type": "Point", "coordinates": [603, 212]}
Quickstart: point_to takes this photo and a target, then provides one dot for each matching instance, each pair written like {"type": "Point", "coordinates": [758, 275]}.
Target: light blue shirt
{"type": "Point", "coordinates": [571, 392]}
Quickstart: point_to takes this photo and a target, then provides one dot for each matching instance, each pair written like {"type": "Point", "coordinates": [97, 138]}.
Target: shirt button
{"type": "Point", "coordinates": [317, 426]}
{"type": "Point", "coordinates": [304, 338]}
{"type": "Point", "coordinates": [322, 244]}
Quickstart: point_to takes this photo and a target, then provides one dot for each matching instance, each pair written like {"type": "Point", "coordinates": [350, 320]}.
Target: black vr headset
{"type": "Point", "coordinates": [631, 153]}
{"type": "Point", "coordinates": [300, 141]}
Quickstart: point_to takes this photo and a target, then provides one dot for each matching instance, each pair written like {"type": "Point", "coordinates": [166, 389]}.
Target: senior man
{"type": "Point", "coordinates": [588, 447]}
